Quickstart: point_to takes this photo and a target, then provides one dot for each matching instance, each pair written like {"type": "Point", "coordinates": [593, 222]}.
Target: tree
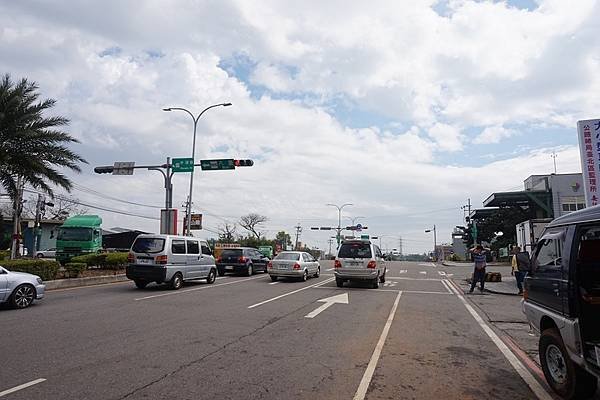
{"type": "Point", "coordinates": [251, 223]}
{"type": "Point", "coordinates": [227, 232]}
{"type": "Point", "coordinates": [61, 209]}
{"type": "Point", "coordinates": [503, 220]}
{"type": "Point", "coordinates": [283, 238]}
{"type": "Point", "coordinates": [34, 148]}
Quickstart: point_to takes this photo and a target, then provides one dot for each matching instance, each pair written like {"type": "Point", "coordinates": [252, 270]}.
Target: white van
{"type": "Point", "coordinates": [170, 259]}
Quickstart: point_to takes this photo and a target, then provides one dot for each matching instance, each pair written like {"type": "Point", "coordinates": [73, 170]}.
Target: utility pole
{"type": "Point", "coordinates": [435, 255]}
{"type": "Point", "coordinates": [330, 243]}
{"type": "Point", "coordinates": [339, 228]}
{"type": "Point", "coordinates": [17, 208]}
{"type": "Point", "coordinates": [400, 245]}
{"type": "Point", "coordinates": [466, 208]}
{"type": "Point", "coordinates": [298, 231]}
{"type": "Point", "coordinates": [554, 155]}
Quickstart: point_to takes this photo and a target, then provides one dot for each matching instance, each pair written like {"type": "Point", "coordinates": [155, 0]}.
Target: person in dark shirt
{"type": "Point", "coordinates": [520, 266]}
{"type": "Point", "coordinates": [479, 259]}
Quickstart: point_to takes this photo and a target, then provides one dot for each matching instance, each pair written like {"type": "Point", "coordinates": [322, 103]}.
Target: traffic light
{"type": "Point", "coordinates": [103, 170]}
{"type": "Point", "coordinates": [243, 163]}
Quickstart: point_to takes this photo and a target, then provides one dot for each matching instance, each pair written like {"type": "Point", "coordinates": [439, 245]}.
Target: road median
{"type": "Point", "coordinates": [89, 281]}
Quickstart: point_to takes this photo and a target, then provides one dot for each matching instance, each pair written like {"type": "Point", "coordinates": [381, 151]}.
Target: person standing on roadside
{"type": "Point", "coordinates": [479, 272]}
{"type": "Point", "coordinates": [520, 266]}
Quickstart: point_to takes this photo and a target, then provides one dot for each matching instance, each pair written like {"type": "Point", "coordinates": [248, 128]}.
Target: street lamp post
{"type": "Point", "coordinates": [339, 229]}
{"type": "Point", "coordinates": [188, 210]}
{"type": "Point", "coordinates": [434, 242]}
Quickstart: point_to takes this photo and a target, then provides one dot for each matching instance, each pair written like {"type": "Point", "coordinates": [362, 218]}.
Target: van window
{"type": "Point", "coordinates": [192, 247]}
{"type": "Point", "coordinates": [148, 245]}
{"type": "Point", "coordinates": [178, 247]}
{"type": "Point", "coordinates": [206, 250]}
{"type": "Point", "coordinates": [589, 245]}
{"type": "Point", "coordinates": [355, 250]}
{"type": "Point", "coordinates": [549, 254]}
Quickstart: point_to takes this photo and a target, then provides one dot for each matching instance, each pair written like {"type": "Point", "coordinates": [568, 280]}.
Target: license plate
{"type": "Point", "coordinates": [282, 267]}
{"type": "Point", "coordinates": [144, 261]}
{"type": "Point", "coordinates": [229, 268]}
{"type": "Point", "coordinates": [354, 264]}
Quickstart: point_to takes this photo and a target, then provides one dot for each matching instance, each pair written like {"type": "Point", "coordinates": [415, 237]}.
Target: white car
{"type": "Point", "coordinates": [20, 289]}
{"type": "Point", "coordinates": [50, 253]}
{"type": "Point", "coordinates": [359, 260]}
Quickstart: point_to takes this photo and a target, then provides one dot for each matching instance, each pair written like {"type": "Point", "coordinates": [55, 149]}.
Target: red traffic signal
{"type": "Point", "coordinates": [243, 163]}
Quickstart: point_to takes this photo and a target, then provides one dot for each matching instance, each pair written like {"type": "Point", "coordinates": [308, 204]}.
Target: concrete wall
{"type": "Point", "coordinates": [566, 188]}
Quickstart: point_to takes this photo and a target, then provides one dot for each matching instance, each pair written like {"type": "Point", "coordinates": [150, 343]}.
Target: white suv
{"type": "Point", "coordinates": [359, 260]}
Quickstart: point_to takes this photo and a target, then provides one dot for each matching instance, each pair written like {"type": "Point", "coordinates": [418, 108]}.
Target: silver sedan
{"type": "Point", "coordinates": [20, 288]}
{"type": "Point", "coordinates": [293, 264]}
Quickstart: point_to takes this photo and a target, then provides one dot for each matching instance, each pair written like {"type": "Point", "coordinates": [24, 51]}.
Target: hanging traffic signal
{"type": "Point", "coordinates": [104, 170]}
{"type": "Point", "coordinates": [243, 163]}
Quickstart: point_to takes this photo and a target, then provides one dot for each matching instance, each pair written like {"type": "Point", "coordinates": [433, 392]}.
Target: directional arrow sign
{"type": "Point", "coordinates": [329, 301]}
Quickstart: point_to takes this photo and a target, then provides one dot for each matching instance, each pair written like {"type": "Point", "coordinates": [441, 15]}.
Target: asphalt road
{"type": "Point", "coordinates": [245, 338]}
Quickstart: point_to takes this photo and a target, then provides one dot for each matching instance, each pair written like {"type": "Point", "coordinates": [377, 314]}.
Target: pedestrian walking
{"type": "Point", "coordinates": [521, 266]}
{"type": "Point", "coordinates": [479, 258]}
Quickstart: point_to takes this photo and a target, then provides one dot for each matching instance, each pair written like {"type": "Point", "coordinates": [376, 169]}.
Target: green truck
{"type": "Point", "coordinates": [78, 235]}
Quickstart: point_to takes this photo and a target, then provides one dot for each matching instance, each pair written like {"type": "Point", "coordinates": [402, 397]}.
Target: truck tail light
{"type": "Point", "coordinates": [296, 266]}
{"type": "Point", "coordinates": [337, 264]}
{"type": "Point", "coordinates": [372, 264]}
{"type": "Point", "coordinates": [270, 265]}
{"type": "Point", "coordinates": [161, 260]}
{"type": "Point", "coordinates": [130, 258]}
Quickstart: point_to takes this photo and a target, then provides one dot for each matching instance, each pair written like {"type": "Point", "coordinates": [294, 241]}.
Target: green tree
{"type": "Point", "coordinates": [503, 220]}
{"type": "Point", "coordinates": [283, 238]}
{"type": "Point", "coordinates": [34, 148]}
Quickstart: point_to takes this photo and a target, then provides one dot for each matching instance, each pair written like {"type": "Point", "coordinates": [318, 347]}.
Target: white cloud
{"type": "Point", "coordinates": [447, 137]}
{"type": "Point", "coordinates": [494, 134]}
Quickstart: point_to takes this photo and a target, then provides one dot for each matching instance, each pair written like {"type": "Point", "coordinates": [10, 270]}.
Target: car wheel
{"type": "Point", "coordinates": [305, 276]}
{"type": "Point", "coordinates": [221, 272]}
{"type": "Point", "coordinates": [382, 278]}
{"type": "Point", "coordinates": [273, 278]}
{"type": "Point", "coordinates": [212, 276]}
{"type": "Point", "coordinates": [140, 284]}
{"type": "Point", "coordinates": [339, 282]}
{"type": "Point", "coordinates": [249, 270]}
{"type": "Point", "coordinates": [318, 273]}
{"type": "Point", "coordinates": [23, 296]}
{"type": "Point", "coordinates": [40, 255]}
{"type": "Point", "coordinates": [176, 281]}
{"type": "Point", "coordinates": [375, 283]}
{"type": "Point", "coordinates": [563, 376]}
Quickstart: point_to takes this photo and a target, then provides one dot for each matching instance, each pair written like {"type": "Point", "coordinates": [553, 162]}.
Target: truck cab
{"type": "Point", "coordinates": [562, 302]}
{"type": "Point", "coordinates": [78, 235]}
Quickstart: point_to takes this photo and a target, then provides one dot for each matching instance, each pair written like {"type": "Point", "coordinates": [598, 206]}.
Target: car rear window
{"type": "Point", "coordinates": [148, 245]}
{"type": "Point", "coordinates": [355, 250]}
{"type": "Point", "coordinates": [232, 253]}
{"type": "Point", "coordinates": [288, 256]}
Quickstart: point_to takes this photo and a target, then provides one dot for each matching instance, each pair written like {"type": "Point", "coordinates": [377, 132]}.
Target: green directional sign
{"type": "Point", "coordinates": [183, 164]}
{"type": "Point", "coordinates": [364, 237]}
{"type": "Point", "coordinates": [215, 165]}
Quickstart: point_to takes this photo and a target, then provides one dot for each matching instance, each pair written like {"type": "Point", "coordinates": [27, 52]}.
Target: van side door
{"type": "Point", "coordinates": [194, 262]}
{"type": "Point", "coordinates": [546, 285]}
{"type": "Point", "coordinates": [178, 257]}
{"type": "Point", "coordinates": [207, 261]}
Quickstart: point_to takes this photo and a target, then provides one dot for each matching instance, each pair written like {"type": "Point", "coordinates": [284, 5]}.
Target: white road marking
{"type": "Point", "coordinates": [390, 283]}
{"type": "Point", "coordinates": [442, 273]}
{"type": "Point", "coordinates": [329, 301]}
{"type": "Point", "coordinates": [368, 375]}
{"type": "Point", "coordinates": [425, 265]}
{"type": "Point", "coordinates": [292, 292]}
{"type": "Point", "coordinates": [413, 279]}
{"type": "Point", "coordinates": [447, 286]}
{"type": "Point", "coordinates": [330, 269]}
{"type": "Point", "coordinates": [21, 387]}
{"type": "Point", "coordinates": [403, 271]}
{"type": "Point", "coordinates": [357, 288]}
{"type": "Point", "coordinates": [533, 384]}
{"type": "Point", "coordinates": [198, 288]}
{"type": "Point", "coordinates": [423, 272]}
{"type": "Point", "coordinates": [273, 283]}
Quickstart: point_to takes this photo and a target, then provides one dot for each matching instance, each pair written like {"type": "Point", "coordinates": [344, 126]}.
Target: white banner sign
{"type": "Point", "coordinates": [589, 148]}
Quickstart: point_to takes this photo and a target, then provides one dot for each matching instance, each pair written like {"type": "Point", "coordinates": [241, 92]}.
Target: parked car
{"type": "Point", "coordinates": [294, 264]}
{"type": "Point", "coordinates": [170, 259]}
{"type": "Point", "coordinates": [562, 302]}
{"type": "Point", "coordinates": [359, 260]}
{"type": "Point", "coordinates": [241, 260]}
{"type": "Point", "coordinates": [49, 253]}
{"type": "Point", "coordinates": [20, 289]}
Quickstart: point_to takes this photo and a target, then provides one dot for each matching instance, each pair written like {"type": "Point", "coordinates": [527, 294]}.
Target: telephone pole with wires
{"type": "Point", "coordinates": [298, 232]}
{"type": "Point", "coordinates": [554, 155]}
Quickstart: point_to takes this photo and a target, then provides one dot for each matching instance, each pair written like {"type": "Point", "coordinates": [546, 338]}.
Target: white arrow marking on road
{"type": "Point", "coordinates": [329, 301]}
{"type": "Point", "coordinates": [423, 272]}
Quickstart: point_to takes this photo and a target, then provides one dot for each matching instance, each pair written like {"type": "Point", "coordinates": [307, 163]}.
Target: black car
{"type": "Point", "coordinates": [562, 302]}
{"type": "Point", "coordinates": [241, 260]}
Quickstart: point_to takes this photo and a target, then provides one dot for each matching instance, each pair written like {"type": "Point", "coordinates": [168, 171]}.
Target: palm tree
{"type": "Point", "coordinates": [33, 147]}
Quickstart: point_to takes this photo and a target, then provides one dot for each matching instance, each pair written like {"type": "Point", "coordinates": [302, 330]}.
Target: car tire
{"type": "Point", "coordinates": [304, 276]}
{"type": "Point", "coordinates": [564, 377]}
{"type": "Point", "coordinates": [140, 284]}
{"type": "Point", "coordinates": [375, 284]}
{"type": "Point", "coordinates": [212, 276]}
{"type": "Point", "coordinates": [339, 282]}
{"type": "Point", "coordinates": [176, 281]}
{"type": "Point", "coordinates": [22, 296]}
{"type": "Point", "coordinates": [221, 272]}
{"type": "Point", "coordinates": [382, 277]}
{"type": "Point", "coordinates": [318, 273]}
{"type": "Point", "coordinates": [273, 278]}
{"type": "Point", "coordinates": [40, 256]}
{"type": "Point", "coordinates": [249, 270]}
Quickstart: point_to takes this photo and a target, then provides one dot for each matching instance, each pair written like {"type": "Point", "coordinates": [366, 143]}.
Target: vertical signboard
{"type": "Point", "coordinates": [589, 148]}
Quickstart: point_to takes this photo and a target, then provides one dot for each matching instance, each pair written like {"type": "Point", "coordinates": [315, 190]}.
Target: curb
{"type": "Point", "coordinates": [503, 293]}
{"type": "Point", "coordinates": [75, 282]}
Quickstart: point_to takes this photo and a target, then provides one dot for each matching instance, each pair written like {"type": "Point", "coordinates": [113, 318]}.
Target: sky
{"type": "Point", "coordinates": [405, 109]}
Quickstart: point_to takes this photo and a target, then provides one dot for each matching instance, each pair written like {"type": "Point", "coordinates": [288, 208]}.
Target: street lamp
{"type": "Point", "coordinates": [188, 210]}
{"type": "Point", "coordinates": [339, 229]}
{"type": "Point", "coordinates": [434, 242]}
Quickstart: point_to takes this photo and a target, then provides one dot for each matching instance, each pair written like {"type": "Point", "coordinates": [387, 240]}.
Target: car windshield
{"type": "Point", "coordinates": [148, 245]}
{"type": "Point", "coordinates": [355, 250]}
{"type": "Point", "coordinates": [288, 256]}
{"type": "Point", "coordinates": [75, 234]}
{"type": "Point", "coordinates": [232, 253]}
